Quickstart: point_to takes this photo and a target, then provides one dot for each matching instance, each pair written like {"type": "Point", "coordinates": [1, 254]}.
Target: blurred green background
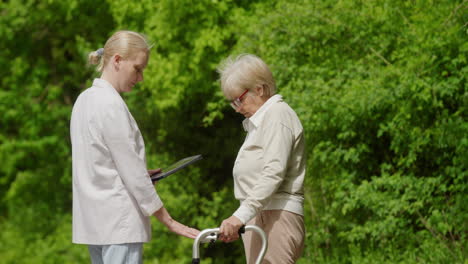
{"type": "Point", "coordinates": [379, 85]}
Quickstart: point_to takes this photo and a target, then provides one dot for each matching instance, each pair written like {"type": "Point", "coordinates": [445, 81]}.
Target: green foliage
{"type": "Point", "coordinates": [380, 87]}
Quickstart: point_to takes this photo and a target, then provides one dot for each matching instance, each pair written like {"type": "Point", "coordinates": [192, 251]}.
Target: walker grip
{"type": "Point", "coordinates": [241, 230]}
{"type": "Point", "coordinates": [211, 235]}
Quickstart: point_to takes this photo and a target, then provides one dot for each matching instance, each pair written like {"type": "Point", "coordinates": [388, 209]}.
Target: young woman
{"type": "Point", "coordinates": [113, 196]}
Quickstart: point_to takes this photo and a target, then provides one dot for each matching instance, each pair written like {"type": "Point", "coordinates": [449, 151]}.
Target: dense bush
{"type": "Point", "coordinates": [380, 87]}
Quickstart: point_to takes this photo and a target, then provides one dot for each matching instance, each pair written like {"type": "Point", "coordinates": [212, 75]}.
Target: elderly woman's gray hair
{"type": "Point", "coordinates": [245, 72]}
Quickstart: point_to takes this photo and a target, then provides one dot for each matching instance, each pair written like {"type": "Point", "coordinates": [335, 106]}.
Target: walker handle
{"type": "Point", "coordinates": [211, 235]}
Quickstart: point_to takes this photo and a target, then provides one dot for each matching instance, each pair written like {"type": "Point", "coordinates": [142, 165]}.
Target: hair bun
{"type": "Point", "coordinates": [94, 57]}
{"type": "Point", "coordinates": [100, 52]}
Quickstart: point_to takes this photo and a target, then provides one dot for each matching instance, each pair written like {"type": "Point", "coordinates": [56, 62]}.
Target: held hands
{"type": "Point", "coordinates": [174, 226]}
{"type": "Point", "coordinates": [229, 229]}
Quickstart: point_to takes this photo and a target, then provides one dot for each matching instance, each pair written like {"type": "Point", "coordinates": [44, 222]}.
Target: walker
{"type": "Point", "coordinates": [211, 235]}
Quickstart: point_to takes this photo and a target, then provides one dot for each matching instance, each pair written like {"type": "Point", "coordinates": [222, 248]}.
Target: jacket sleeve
{"type": "Point", "coordinates": [277, 143]}
{"type": "Point", "coordinates": [118, 131]}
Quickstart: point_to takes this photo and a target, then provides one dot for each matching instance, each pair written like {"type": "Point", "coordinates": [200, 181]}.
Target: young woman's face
{"type": "Point", "coordinates": [131, 71]}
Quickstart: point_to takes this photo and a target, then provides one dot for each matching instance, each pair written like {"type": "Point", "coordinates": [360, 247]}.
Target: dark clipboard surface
{"type": "Point", "coordinates": [175, 167]}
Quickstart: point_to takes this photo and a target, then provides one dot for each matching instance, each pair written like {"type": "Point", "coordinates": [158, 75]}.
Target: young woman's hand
{"type": "Point", "coordinates": [174, 226]}
{"type": "Point", "coordinates": [154, 171]}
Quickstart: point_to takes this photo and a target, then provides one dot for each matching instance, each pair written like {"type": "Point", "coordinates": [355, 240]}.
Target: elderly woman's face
{"type": "Point", "coordinates": [248, 103]}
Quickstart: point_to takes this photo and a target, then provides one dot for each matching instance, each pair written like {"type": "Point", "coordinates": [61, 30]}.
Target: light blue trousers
{"type": "Point", "coordinates": [129, 253]}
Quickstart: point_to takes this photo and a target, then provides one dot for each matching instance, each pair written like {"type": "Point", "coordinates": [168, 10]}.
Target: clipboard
{"type": "Point", "coordinates": [175, 167]}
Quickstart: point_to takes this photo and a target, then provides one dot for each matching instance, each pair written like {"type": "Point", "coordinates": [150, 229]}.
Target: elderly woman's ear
{"type": "Point", "coordinates": [260, 90]}
{"type": "Point", "coordinates": [263, 91]}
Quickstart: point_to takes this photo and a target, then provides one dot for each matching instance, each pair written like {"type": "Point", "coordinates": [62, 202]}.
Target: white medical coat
{"type": "Point", "coordinates": [113, 195]}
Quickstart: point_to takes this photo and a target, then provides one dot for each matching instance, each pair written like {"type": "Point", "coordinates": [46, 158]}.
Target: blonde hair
{"type": "Point", "coordinates": [126, 43]}
{"type": "Point", "coordinates": [244, 73]}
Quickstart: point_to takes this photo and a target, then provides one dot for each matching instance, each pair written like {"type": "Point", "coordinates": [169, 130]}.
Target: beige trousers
{"type": "Point", "coordinates": [285, 233]}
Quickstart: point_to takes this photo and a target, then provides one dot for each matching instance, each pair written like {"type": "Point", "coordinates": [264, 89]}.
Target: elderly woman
{"type": "Point", "coordinates": [270, 166]}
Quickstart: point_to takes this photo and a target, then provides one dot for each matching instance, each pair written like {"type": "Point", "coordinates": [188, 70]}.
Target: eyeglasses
{"type": "Point", "coordinates": [236, 103]}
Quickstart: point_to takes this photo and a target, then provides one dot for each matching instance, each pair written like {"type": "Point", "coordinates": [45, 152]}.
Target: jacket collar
{"type": "Point", "coordinates": [256, 119]}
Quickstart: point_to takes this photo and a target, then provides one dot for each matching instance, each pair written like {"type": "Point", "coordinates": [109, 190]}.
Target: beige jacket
{"type": "Point", "coordinates": [270, 167]}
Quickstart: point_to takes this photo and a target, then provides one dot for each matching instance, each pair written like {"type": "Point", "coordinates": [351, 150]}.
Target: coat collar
{"type": "Point", "coordinates": [98, 82]}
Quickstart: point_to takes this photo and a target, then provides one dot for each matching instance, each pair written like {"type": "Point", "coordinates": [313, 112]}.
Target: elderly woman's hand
{"type": "Point", "coordinates": [229, 230]}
